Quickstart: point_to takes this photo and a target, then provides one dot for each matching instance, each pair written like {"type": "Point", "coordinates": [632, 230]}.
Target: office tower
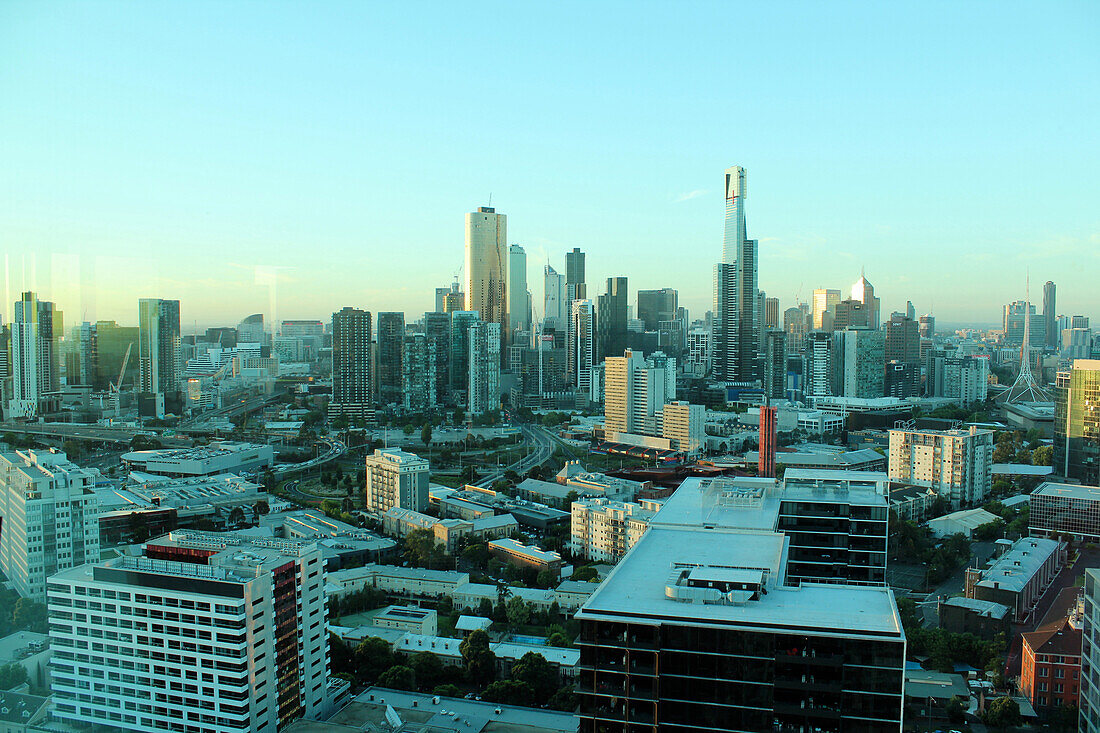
{"type": "Point", "coordinates": [1050, 315]}
{"type": "Point", "coordinates": [391, 341]}
{"type": "Point", "coordinates": [818, 378]}
{"type": "Point", "coordinates": [484, 368]}
{"type": "Point", "coordinates": [251, 330]}
{"type": "Point", "coordinates": [634, 394]}
{"type": "Point", "coordinates": [860, 363]}
{"type": "Point", "coordinates": [794, 323]}
{"type": "Point", "coordinates": [864, 292]}
{"type": "Point", "coordinates": [706, 627]}
{"type": "Point", "coordinates": [459, 377]}
{"type": "Point", "coordinates": [455, 300]}
{"type": "Point", "coordinates": [736, 295]}
{"type": "Point", "coordinates": [957, 464]}
{"type": "Point", "coordinates": [310, 332]}
{"type": "Point", "coordinates": [655, 306]}
{"type": "Point", "coordinates": [486, 265]}
{"type": "Point", "coordinates": [771, 313]}
{"type": "Point", "coordinates": [767, 442]}
{"type": "Point", "coordinates": [775, 364]}
{"type": "Point", "coordinates": [517, 290]}
{"type": "Point", "coordinates": [850, 313]}
{"type": "Point", "coordinates": [542, 375]}
{"type": "Point", "coordinates": [1076, 343]}
{"type": "Point", "coordinates": [440, 298]}
{"type": "Point", "coordinates": [396, 478]}
{"type": "Point", "coordinates": [927, 326]}
{"type": "Point", "coordinates": [351, 360]}
{"type": "Point", "coordinates": [581, 344]}
{"type": "Point", "coordinates": [1013, 325]}
{"type": "Point", "coordinates": [1077, 422]}
{"type": "Point", "coordinates": [575, 287]}
{"type": "Point", "coordinates": [910, 310]}
{"type": "Point", "coordinates": [418, 373]}
{"type": "Point", "coordinates": [1089, 697]}
{"type": "Point", "coordinates": [964, 378]}
{"type": "Point", "coordinates": [698, 352]}
{"type": "Point", "coordinates": [1079, 322]}
{"type": "Point", "coordinates": [825, 301]}
{"type": "Point", "coordinates": [901, 380]}
{"type": "Point", "coordinates": [437, 329]}
{"type": "Point", "coordinates": [50, 518]}
{"type": "Point", "coordinates": [555, 303]}
{"type": "Point", "coordinates": [205, 632]}
{"type": "Point", "coordinates": [35, 357]}
{"type": "Point", "coordinates": [159, 359]}
{"type": "Point", "coordinates": [87, 356]}
{"type": "Point", "coordinates": [112, 342]}
{"type": "Point", "coordinates": [611, 318]}
{"type": "Point", "coordinates": [903, 346]}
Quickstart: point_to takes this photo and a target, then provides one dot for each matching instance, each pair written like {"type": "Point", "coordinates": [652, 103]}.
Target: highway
{"type": "Point", "coordinates": [335, 450]}
{"type": "Point", "coordinates": [231, 410]}
{"type": "Point", "coordinates": [544, 450]}
{"type": "Point", "coordinates": [69, 431]}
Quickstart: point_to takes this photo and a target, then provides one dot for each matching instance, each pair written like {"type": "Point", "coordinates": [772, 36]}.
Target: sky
{"type": "Point", "coordinates": [205, 151]}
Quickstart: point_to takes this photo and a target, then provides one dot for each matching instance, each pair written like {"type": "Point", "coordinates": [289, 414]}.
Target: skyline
{"type": "Point", "coordinates": [265, 155]}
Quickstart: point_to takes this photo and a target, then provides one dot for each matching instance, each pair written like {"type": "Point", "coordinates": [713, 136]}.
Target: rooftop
{"type": "Point", "coordinates": [532, 551]}
{"type": "Point", "coordinates": [1060, 637]}
{"type": "Point", "coordinates": [923, 684]}
{"type": "Point", "coordinates": [1015, 569]}
{"type": "Point", "coordinates": [16, 707]}
{"type": "Point", "coordinates": [984, 608]}
{"type": "Point", "coordinates": [1020, 469]}
{"type": "Point", "coordinates": [21, 645]}
{"type": "Point", "coordinates": [1068, 491]}
{"type": "Point", "coordinates": [198, 453]}
{"type": "Point", "coordinates": [969, 518]}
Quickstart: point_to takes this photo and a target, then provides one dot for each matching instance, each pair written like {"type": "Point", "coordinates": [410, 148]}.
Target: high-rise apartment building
{"type": "Point", "coordinates": [819, 365]}
{"type": "Point", "coordinates": [483, 383]}
{"type": "Point", "coordinates": [160, 364]}
{"type": "Point", "coordinates": [965, 378]}
{"type": "Point", "coordinates": [736, 335]}
{"type": "Point", "coordinates": [49, 516]}
{"type": "Point", "coordinates": [396, 478]}
{"type": "Point", "coordinates": [581, 344]}
{"type": "Point", "coordinates": [204, 633]}
{"type": "Point", "coordinates": [35, 357]}
{"type": "Point", "coordinates": [518, 311]}
{"type": "Point", "coordinates": [351, 360]}
{"type": "Point", "coordinates": [765, 466]}
{"type": "Point", "coordinates": [655, 306]}
{"type": "Point", "coordinates": [697, 346]}
{"type": "Point", "coordinates": [311, 333]}
{"type": "Point", "coordinates": [634, 394]}
{"type": "Point", "coordinates": [684, 426]}
{"type": "Point", "coordinates": [702, 626]}
{"type": "Point", "coordinates": [771, 313]}
{"type": "Point", "coordinates": [391, 344]}
{"type": "Point", "coordinates": [455, 300]}
{"type": "Point", "coordinates": [487, 265]}
{"type": "Point", "coordinates": [555, 303]}
{"type": "Point", "coordinates": [825, 301]}
{"type": "Point", "coordinates": [1050, 314]}
{"type": "Point", "coordinates": [418, 373]}
{"type": "Point", "coordinates": [1077, 422]}
{"type": "Point", "coordinates": [603, 530]}
{"type": "Point", "coordinates": [775, 364]}
{"type": "Point", "coordinates": [437, 330]}
{"type": "Point", "coordinates": [461, 324]}
{"type": "Point", "coordinates": [859, 362]}
{"type": "Point", "coordinates": [864, 292]}
{"type": "Point", "coordinates": [611, 318]}
{"type": "Point", "coordinates": [957, 464]}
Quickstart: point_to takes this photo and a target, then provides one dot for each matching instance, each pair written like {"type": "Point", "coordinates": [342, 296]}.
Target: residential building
{"type": "Point", "coordinates": [525, 556]}
{"type": "Point", "coordinates": [351, 361]}
{"type": "Point", "coordinates": [1050, 314]}
{"type": "Point", "coordinates": [519, 313]}
{"type": "Point", "coordinates": [771, 313]}
{"type": "Point", "coordinates": [23, 713]}
{"type": "Point", "coordinates": [1018, 577]}
{"type": "Point", "coordinates": [408, 618]}
{"type": "Point", "coordinates": [684, 426]}
{"type": "Point", "coordinates": [220, 633]}
{"type": "Point", "coordinates": [958, 464]}
{"type": "Point", "coordinates": [698, 358]}
{"type": "Point", "coordinates": [217, 457]}
{"type": "Point", "coordinates": [483, 390]}
{"type": "Point", "coordinates": [35, 357]}
{"type": "Point", "coordinates": [419, 370]}
{"type": "Point", "coordinates": [1077, 422]}
{"type": "Point", "coordinates": [396, 478]}
{"type": "Point", "coordinates": [736, 330]}
{"type": "Point", "coordinates": [581, 344]}
{"type": "Point", "coordinates": [1050, 664]}
{"type": "Point", "coordinates": [698, 627]}
{"type": "Point", "coordinates": [160, 361]}
{"type": "Point", "coordinates": [824, 308]}
{"type": "Point", "coordinates": [634, 393]}
{"type": "Point", "coordinates": [1089, 698]}
{"type": "Point", "coordinates": [1065, 510]}
{"type": "Point", "coordinates": [655, 306]}
{"type": "Point", "coordinates": [391, 343]}
{"type": "Point", "coordinates": [984, 619]}
{"type": "Point", "coordinates": [462, 322]}
{"type": "Point", "coordinates": [603, 530]}
{"type": "Point", "coordinates": [455, 299]}
{"type": "Point", "coordinates": [775, 364]}
{"type": "Point", "coordinates": [437, 330]}
{"type": "Point", "coordinates": [859, 363]}
{"type": "Point", "coordinates": [49, 518]}
{"type": "Point", "coordinates": [486, 265]}
{"type": "Point", "coordinates": [819, 365]}
{"type": "Point", "coordinates": [964, 378]}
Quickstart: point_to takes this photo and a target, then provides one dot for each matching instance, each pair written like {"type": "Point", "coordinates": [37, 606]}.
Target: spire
{"type": "Point", "coordinates": [1026, 388]}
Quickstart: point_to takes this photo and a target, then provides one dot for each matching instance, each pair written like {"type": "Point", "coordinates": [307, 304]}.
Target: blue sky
{"type": "Point", "coordinates": [152, 149]}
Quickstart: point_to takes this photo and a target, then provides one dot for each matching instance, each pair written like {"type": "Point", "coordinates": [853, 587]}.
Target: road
{"type": "Point", "coordinates": [231, 410]}
{"type": "Point", "coordinates": [335, 450]}
{"type": "Point", "coordinates": [544, 449]}
{"type": "Point", "coordinates": [69, 431]}
{"type": "Point", "coordinates": [980, 552]}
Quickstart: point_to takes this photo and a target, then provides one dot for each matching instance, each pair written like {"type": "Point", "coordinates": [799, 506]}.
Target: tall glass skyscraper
{"type": "Point", "coordinates": [1077, 422]}
{"type": "Point", "coordinates": [160, 364]}
{"type": "Point", "coordinates": [736, 350]}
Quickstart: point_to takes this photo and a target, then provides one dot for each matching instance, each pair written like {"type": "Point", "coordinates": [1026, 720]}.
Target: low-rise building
{"type": "Point", "coordinates": [984, 619]}
{"type": "Point", "coordinates": [912, 503]}
{"type": "Point", "coordinates": [408, 618]}
{"type": "Point", "coordinates": [863, 459]}
{"type": "Point", "coordinates": [603, 530]}
{"type": "Point", "coordinates": [1067, 510]}
{"type": "Point", "coordinates": [962, 522]}
{"type": "Point", "coordinates": [22, 713]}
{"type": "Point", "coordinates": [1020, 576]}
{"type": "Point", "coordinates": [219, 456]}
{"type": "Point", "coordinates": [341, 543]}
{"type": "Point", "coordinates": [399, 522]}
{"type": "Point", "coordinates": [1050, 664]}
{"type": "Point", "coordinates": [31, 651]}
{"type": "Point", "coordinates": [525, 556]}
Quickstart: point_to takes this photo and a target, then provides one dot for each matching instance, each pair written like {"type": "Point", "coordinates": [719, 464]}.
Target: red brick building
{"type": "Point", "coordinates": [1051, 667]}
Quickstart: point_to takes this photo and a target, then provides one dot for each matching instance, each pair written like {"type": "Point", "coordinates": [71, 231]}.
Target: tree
{"type": "Point", "coordinates": [485, 608]}
{"type": "Point", "coordinates": [427, 668]}
{"type": "Point", "coordinates": [533, 669]}
{"type": "Point", "coordinates": [12, 675]}
{"type": "Point", "coordinates": [1043, 455]}
{"type": "Point", "coordinates": [426, 434]}
{"type": "Point", "coordinates": [236, 516]}
{"type": "Point", "coordinates": [508, 692]}
{"type": "Point", "coordinates": [481, 663]}
{"type": "Point", "coordinates": [30, 616]}
{"type": "Point", "coordinates": [1002, 713]}
{"type": "Point", "coordinates": [519, 613]}
{"type": "Point", "coordinates": [459, 416]}
{"type": "Point", "coordinates": [261, 507]}
{"type": "Point", "coordinates": [371, 658]}
{"type": "Point", "coordinates": [407, 429]}
{"type": "Point", "coordinates": [447, 690]}
{"type": "Point", "coordinates": [586, 572]}
{"type": "Point", "coordinates": [546, 578]}
{"type": "Point", "coordinates": [398, 678]}
{"type": "Point", "coordinates": [564, 699]}
{"type": "Point", "coordinates": [955, 709]}
{"type": "Point", "coordinates": [72, 448]}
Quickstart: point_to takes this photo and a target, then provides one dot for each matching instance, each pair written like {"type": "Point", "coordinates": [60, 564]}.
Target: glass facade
{"type": "Point", "coordinates": [1077, 422]}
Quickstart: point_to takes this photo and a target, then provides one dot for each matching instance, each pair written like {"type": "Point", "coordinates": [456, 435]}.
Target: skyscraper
{"type": "Point", "coordinates": [486, 265]}
{"type": "Point", "coordinates": [437, 330]}
{"type": "Point", "coordinates": [775, 364]}
{"type": "Point", "coordinates": [554, 299]}
{"type": "Point", "coordinates": [611, 318]}
{"type": "Point", "coordinates": [575, 288]}
{"type": "Point", "coordinates": [860, 365]}
{"type": "Point", "coordinates": [1050, 315]}
{"type": "Point", "coordinates": [160, 364]}
{"type": "Point", "coordinates": [483, 393]}
{"type": "Point", "coordinates": [1077, 422]}
{"type": "Point", "coordinates": [36, 370]}
{"type": "Point", "coordinates": [771, 313]}
{"type": "Point", "coordinates": [251, 330]}
{"type": "Point", "coordinates": [655, 306]}
{"type": "Point", "coordinates": [635, 391]}
{"type": "Point", "coordinates": [864, 292]}
{"type": "Point", "coordinates": [581, 343]}
{"type": "Point", "coordinates": [736, 295]}
{"type": "Point", "coordinates": [794, 323]}
{"type": "Point", "coordinates": [927, 326]}
{"type": "Point", "coordinates": [518, 315]}
{"type": "Point", "coordinates": [825, 301]}
{"type": "Point", "coordinates": [391, 342]}
{"type": "Point", "coordinates": [903, 346]}
{"type": "Point", "coordinates": [351, 349]}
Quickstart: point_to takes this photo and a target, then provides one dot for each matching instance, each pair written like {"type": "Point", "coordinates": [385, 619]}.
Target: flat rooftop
{"type": "Point", "coordinates": [636, 588]}
{"type": "Point", "coordinates": [1068, 491]}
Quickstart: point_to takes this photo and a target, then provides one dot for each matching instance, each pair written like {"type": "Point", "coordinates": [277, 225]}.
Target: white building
{"type": "Point", "coordinates": [220, 456]}
{"type": "Point", "coordinates": [958, 464]}
{"type": "Point", "coordinates": [634, 393]}
{"type": "Point", "coordinates": [396, 478]}
{"type": "Point", "coordinates": [554, 302]}
{"type": "Point", "coordinates": [963, 522]}
{"type": "Point", "coordinates": [486, 265]}
{"type": "Point", "coordinates": [698, 352]}
{"type": "Point", "coordinates": [517, 290]}
{"type": "Point", "coordinates": [193, 637]}
{"type": "Point", "coordinates": [484, 368]}
{"type": "Point", "coordinates": [582, 343]}
{"type": "Point", "coordinates": [602, 530]}
{"type": "Point", "coordinates": [50, 518]}
{"type": "Point", "coordinates": [34, 355]}
{"type": "Point", "coordinates": [684, 424]}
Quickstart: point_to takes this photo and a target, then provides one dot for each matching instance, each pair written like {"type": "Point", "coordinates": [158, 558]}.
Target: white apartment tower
{"type": "Point", "coordinates": [487, 265]}
{"type": "Point", "coordinates": [958, 464]}
{"type": "Point", "coordinates": [554, 300]}
{"type": "Point", "coordinates": [518, 310]}
{"type": "Point", "coordinates": [582, 343]}
{"type": "Point", "coordinates": [205, 633]}
{"type": "Point", "coordinates": [603, 530]}
{"type": "Point", "coordinates": [36, 369]}
{"type": "Point", "coordinates": [484, 368]}
{"type": "Point", "coordinates": [396, 478]}
{"type": "Point", "coordinates": [50, 518]}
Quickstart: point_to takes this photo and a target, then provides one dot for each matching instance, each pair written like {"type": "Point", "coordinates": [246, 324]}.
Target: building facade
{"type": "Point", "coordinates": [391, 344]}
{"type": "Point", "coordinates": [736, 292]}
{"type": "Point", "coordinates": [603, 530]}
{"type": "Point", "coordinates": [1069, 510]}
{"type": "Point", "coordinates": [483, 384]}
{"type": "Point", "coordinates": [958, 464]}
{"type": "Point", "coordinates": [351, 358]}
{"type": "Point", "coordinates": [487, 265]}
{"type": "Point", "coordinates": [396, 478]}
{"type": "Point", "coordinates": [160, 365]}
{"type": "Point", "coordinates": [1089, 693]}
{"type": "Point", "coordinates": [35, 356]}
{"type": "Point", "coordinates": [1077, 422]}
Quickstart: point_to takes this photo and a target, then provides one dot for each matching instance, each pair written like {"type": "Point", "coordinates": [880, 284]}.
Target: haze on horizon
{"type": "Point", "coordinates": [152, 151]}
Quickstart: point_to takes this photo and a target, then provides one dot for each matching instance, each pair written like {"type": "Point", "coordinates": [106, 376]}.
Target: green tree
{"type": "Point", "coordinates": [426, 433]}
{"type": "Point", "coordinates": [12, 675]}
{"type": "Point", "coordinates": [236, 516]}
{"type": "Point", "coordinates": [533, 669]}
{"type": "Point", "coordinates": [398, 677]}
{"type": "Point", "coordinates": [519, 613]}
{"type": "Point", "coordinates": [428, 670]}
{"type": "Point", "coordinates": [509, 692]}
{"type": "Point", "coordinates": [481, 663]}
{"type": "Point", "coordinates": [1043, 455]}
{"type": "Point", "coordinates": [371, 658]}
{"type": "Point", "coordinates": [564, 699]}
{"type": "Point", "coordinates": [30, 616]}
{"type": "Point", "coordinates": [1003, 712]}
{"type": "Point", "coordinates": [586, 572]}
{"type": "Point", "coordinates": [407, 429]}
{"type": "Point", "coordinates": [546, 578]}
{"type": "Point", "coordinates": [447, 690]}
{"type": "Point", "coordinates": [956, 710]}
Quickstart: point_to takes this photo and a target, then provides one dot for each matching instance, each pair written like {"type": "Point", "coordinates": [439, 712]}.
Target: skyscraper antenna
{"type": "Point", "coordinates": [490, 199]}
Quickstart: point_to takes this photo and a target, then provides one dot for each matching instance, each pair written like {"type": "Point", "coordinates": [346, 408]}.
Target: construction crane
{"type": "Point", "coordinates": [115, 388]}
